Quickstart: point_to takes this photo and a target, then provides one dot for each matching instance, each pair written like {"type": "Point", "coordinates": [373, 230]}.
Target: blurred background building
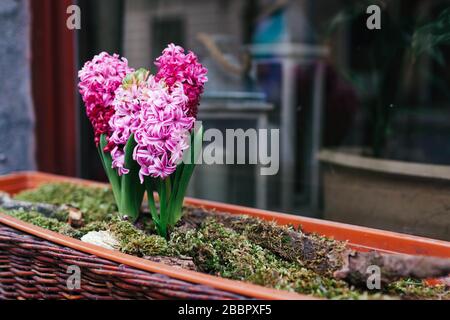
{"type": "Point", "coordinates": [310, 68]}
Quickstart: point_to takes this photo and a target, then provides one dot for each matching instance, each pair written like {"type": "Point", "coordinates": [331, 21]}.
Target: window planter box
{"type": "Point", "coordinates": [392, 195]}
{"type": "Point", "coordinates": [34, 261]}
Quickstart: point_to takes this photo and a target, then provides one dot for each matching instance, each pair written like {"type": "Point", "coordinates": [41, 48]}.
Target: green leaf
{"type": "Point", "coordinates": [111, 173]}
{"type": "Point", "coordinates": [172, 189]}
{"type": "Point", "coordinates": [163, 214]}
{"type": "Point", "coordinates": [175, 189]}
{"type": "Point", "coordinates": [187, 171]}
{"type": "Point", "coordinates": [132, 191]}
{"type": "Point", "coordinates": [151, 200]}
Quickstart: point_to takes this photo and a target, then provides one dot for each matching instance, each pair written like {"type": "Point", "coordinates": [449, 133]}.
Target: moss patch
{"type": "Point", "coordinates": [96, 204]}
{"type": "Point", "coordinates": [136, 242]}
{"type": "Point", "coordinates": [417, 289]}
{"type": "Point", "coordinates": [38, 219]}
{"type": "Point", "coordinates": [222, 251]}
{"type": "Point", "coordinates": [55, 225]}
{"type": "Point", "coordinates": [315, 252]}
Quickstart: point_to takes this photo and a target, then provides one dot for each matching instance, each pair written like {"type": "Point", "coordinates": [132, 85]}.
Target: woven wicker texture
{"type": "Point", "coordinates": [31, 268]}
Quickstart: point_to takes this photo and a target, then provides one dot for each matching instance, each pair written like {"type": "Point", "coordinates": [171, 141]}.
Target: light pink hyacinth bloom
{"type": "Point", "coordinates": [158, 119]}
{"type": "Point", "coordinates": [99, 79]}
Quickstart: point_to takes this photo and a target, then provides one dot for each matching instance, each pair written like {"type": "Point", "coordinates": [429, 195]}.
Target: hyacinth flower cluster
{"type": "Point", "coordinates": [145, 130]}
{"type": "Point", "coordinates": [99, 80]}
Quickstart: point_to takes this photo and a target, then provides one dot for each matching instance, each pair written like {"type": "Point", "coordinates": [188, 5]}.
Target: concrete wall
{"type": "Point", "coordinates": [16, 112]}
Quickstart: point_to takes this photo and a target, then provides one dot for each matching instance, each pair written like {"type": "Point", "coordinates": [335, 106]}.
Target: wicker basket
{"type": "Point", "coordinates": [32, 268]}
{"type": "Point", "coordinates": [34, 262]}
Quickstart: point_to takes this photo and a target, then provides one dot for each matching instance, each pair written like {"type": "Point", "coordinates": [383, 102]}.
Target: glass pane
{"type": "Point", "coordinates": [359, 92]}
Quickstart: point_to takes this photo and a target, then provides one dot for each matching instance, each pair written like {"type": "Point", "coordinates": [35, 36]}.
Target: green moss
{"type": "Point", "coordinates": [311, 251]}
{"type": "Point", "coordinates": [136, 242]}
{"type": "Point", "coordinates": [61, 215]}
{"type": "Point", "coordinates": [417, 289]}
{"type": "Point", "coordinates": [94, 226]}
{"type": "Point", "coordinates": [53, 224]}
{"type": "Point", "coordinates": [96, 204]}
{"type": "Point", "coordinates": [38, 219]}
{"type": "Point", "coordinates": [224, 252]}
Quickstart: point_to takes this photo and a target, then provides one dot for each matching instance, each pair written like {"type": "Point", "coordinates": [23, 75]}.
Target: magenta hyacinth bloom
{"type": "Point", "coordinates": [99, 79]}
{"type": "Point", "coordinates": [148, 124]}
{"type": "Point", "coordinates": [159, 121]}
{"type": "Point", "coordinates": [174, 66]}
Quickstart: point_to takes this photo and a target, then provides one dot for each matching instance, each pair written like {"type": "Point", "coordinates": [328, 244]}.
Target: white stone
{"type": "Point", "coordinates": [103, 239]}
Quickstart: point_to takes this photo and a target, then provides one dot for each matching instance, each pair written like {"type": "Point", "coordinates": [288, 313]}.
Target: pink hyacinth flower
{"type": "Point", "coordinates": [99, 79]}
{"type": "Point", "coordinates": [157, 117]}
{"type": "Point", "coordinates": [174, 66]}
